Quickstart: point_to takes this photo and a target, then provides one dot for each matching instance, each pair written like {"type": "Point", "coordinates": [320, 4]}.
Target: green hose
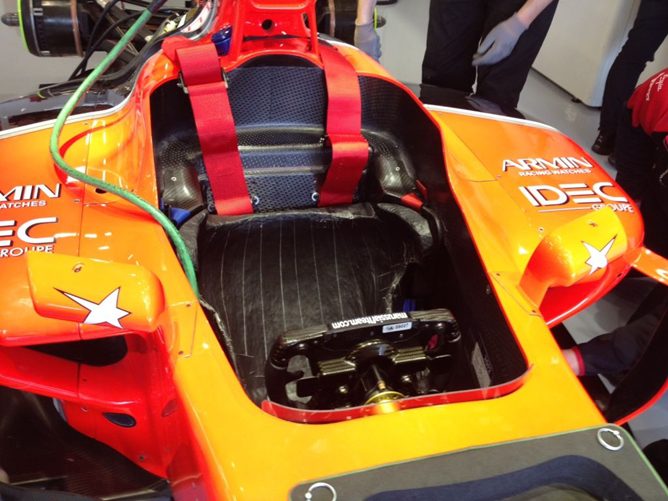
{"type": "Point", "coordinates": [170, 229]}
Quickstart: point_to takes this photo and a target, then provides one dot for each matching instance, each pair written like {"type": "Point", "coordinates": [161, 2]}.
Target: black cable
{"type": "Point", "coordinates": [109, 77]}
{"type": "Point", "coordinates": [156, 6]}
{"type": "Point", "coordinates": [149, 49]}
{"type": "Point", "coordinates": [107, 8]}
{"type": "Point", "coordinates": [91, 37]}
{"type": "Point", "coordinates": [82, 66]}
{"type": "Point", "coordinates": [102, 38]}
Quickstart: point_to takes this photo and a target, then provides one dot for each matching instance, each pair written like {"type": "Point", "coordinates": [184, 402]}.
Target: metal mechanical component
{"type": "Point", "coordinates": [52, 27]}
{"type": "Point", "coordinates": [10, 19]}
{"type": "Point", "coordinates": [365, 361]}
{"type": "Point", "coordinates": [610, 439]}
{"type": "Point", "coordinates": [374, 380]}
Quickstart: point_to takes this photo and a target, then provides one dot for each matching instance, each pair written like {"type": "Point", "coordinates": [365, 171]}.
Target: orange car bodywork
{"type": "Point", "coordinates": [195, 424]}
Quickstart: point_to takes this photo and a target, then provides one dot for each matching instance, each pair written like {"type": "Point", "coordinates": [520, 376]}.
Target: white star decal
{"type": "Point", "coordinates": [598, 259]}
{"type": "Point", "coordinates": [106, 311]}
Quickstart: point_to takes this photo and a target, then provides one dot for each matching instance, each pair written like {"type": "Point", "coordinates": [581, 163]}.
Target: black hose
{"type": "Point", "coordinates": [93, 47]}
{"type": "Point", "coordinates": [81, 66]}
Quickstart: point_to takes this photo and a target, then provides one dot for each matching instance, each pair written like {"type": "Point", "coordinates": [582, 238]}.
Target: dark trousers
{"type": "Point", "coordinates": [648, 32]}
{"type": "Point", "coordinates": [642, 170]}
{"type": "Point", "coordinates": [615, 353]}
{"type": "Point", "coordinates": [635, 154]}
{"type": "Point", "coordinates": [455, 30]}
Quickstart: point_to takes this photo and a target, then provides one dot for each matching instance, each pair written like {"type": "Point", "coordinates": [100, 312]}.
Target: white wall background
{"type": "Point", "coordinates": [404, 38]}
{"type": "Point", "coordinates": [583, 42]}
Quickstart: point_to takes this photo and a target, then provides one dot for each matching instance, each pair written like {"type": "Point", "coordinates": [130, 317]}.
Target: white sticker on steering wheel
{"type": "Point", "coordinates": [404, 326]}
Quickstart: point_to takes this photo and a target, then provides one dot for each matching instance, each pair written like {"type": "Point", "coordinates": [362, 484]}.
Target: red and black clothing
{"type": "Point", "coordinates": [642, 157]}
{"type": "Point", "coordinates": [642, 170]}
{"type": "Point", "coordinates": [649, 30]}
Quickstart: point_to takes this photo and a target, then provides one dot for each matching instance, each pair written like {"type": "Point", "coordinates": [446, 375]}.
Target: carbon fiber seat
{"type": "Point", "coordinates": [292, 264]}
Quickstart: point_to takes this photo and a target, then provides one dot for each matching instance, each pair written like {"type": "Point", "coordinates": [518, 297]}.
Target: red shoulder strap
{"type": "Point", "coordinates": [201, 72]}
{"type": "Point", "coordinates": [350, 151]}
{"type": "Point", "coordinates": [207, 89]}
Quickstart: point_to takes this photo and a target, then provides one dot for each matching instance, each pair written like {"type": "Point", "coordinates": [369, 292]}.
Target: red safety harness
{"type": "Point", "coordinates": [202, 75]}
{"type": "Point", "coordinates": [350, 151]}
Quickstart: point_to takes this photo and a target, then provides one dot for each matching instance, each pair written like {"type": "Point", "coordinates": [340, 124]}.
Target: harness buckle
{"type": "Point", "coordinates": [182, 84]}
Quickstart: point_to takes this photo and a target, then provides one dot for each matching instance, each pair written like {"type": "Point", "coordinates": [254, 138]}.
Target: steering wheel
{"type": "Point", "coordinates": [363, 361]}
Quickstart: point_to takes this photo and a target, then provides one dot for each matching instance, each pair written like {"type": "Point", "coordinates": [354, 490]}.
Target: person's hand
{"type": "Point", "coordinates": [500, 42]}
{"type": "Point", "coordinates": [367, 39]}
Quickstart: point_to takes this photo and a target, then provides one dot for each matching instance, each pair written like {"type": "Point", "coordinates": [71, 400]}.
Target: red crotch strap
{"type": "Point", "coordinates": [350, 151]}
{"type": "Point", "coordinates": [210, 102]}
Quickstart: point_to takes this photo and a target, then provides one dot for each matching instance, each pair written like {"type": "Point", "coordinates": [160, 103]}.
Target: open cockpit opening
{"type": "Point", "coordinates": [332, 308]}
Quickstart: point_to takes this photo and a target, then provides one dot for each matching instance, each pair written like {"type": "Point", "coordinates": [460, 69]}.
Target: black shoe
{"type": "Point", "coordinates": [604, 144]}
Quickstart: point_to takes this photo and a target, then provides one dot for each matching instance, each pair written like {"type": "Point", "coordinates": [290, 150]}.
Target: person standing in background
{"type": "Point", "coordinates": [366, 37]}
{"type": "Point", "coordinates": [649, 30]}
{"type": "Point", "coordinates": [642, 157]}
{"type": "Point", "coordinates": [642, 171]}
{"type": "Point", "coordinates": [512, 33]}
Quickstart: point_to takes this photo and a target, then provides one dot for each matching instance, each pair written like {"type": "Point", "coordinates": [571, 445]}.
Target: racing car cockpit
{"type": "Point", "coordinates": [335, 287]}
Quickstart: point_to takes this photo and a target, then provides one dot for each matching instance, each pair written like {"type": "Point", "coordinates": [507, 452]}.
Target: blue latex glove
{"type": "Point", "coordinates": [368, 40]}
{"type": "Point", "coordinates": [500, 42]}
